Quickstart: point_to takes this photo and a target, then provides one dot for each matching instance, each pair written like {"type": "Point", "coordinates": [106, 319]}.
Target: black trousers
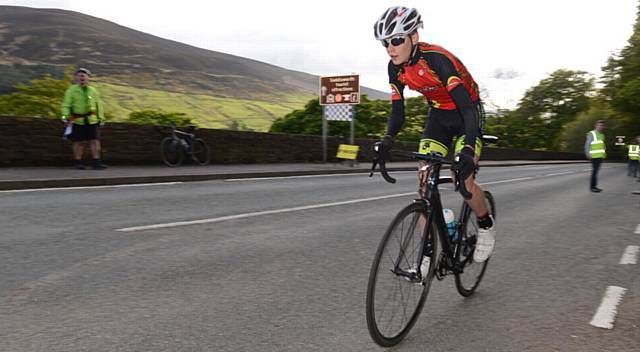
{"type": "Point", "coordinates": [633, 168]}
{"type": "Point", "coordinates": [595, 162]}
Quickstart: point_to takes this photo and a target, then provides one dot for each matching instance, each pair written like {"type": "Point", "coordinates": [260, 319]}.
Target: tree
{"type": "Point", "coordinates": [305, 121]}
{"type": "Point", "coordinates": [41, 97]}
{"type": "Point", "coordinates": [154, 117]}
{"type": "Point", "coordinates": [239, 126]}
{"type": "Point", "coordinates": [371, 117]}
{"type": "Point", "coordinates": [371, 120]}
{"type": "Point", "coordinates": [621, 81]}
{"type": "Point", "coordinates": [552, 103]}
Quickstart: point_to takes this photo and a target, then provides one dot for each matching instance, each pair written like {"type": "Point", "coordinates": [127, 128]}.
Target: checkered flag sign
{"type": "Point", "coordinates": [340, 112]}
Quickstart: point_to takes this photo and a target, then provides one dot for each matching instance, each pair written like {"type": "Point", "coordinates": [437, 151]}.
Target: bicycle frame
{"type": "Point", "coordinates": [434, 217]}
{"type": "Point", "coordinates": [433, 208]}
{"type": "Point", "coordinates": [181, 136]}
{"type": "Point", "coordinates": [432, 205]}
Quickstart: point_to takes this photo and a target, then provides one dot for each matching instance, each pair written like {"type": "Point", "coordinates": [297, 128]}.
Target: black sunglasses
{"type": "Point", "coordinates": [394, 41]}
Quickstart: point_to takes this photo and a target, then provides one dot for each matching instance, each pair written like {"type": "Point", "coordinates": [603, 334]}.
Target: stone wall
{"type": "Point", "coordinates": [27, 141]}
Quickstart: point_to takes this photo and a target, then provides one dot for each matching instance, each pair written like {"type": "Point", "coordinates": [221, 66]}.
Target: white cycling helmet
{"type": "Point", "coordinates": [397, 20]}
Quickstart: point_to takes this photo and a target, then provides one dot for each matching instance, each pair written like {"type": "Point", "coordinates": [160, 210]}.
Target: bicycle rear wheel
{"type": "Point", "coordinates": [472, 272]}
{"type": "Point", "coordinates": [200, 152]}
{"type": "Point", "coordinates": [171, 151]}
{"type": "Point", "coordinates": [397, 289]}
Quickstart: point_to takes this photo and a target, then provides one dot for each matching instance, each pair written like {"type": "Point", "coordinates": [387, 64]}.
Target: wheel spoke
{"type": "Point", "coordinates": [394, 293]}
{"type": "Point", "coordinates": [472, 272]}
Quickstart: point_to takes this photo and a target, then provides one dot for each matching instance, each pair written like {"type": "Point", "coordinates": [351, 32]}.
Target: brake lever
{"type": "Point", "coordinates": [373, 167]}
{"type": "Point", "coordinates": [460, 187]}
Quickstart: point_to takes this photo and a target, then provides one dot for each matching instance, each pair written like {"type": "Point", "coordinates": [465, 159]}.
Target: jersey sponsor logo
{"type": "Point", "coordinates": [426, 89]}
{"type": "Point", "coordinates": [453, 82]}
{"type": "Point", "coordinates": [395, 93]}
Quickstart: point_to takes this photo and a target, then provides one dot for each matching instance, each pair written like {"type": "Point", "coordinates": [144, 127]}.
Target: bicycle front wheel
{"type": "Point", "coordinates": [171, 151]}
{"type": "Point", "coordinates": [468, 279]}
{"type": "Point", "coordinates": [397, 287]}
{"type": "Point", "coordinates": [200, 152]}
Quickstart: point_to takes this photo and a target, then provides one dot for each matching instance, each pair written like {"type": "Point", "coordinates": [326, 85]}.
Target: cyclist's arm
{"type": "Point", "coordinates": [396, 120]}
{"type": "Point", "coordinates": [450, 78]}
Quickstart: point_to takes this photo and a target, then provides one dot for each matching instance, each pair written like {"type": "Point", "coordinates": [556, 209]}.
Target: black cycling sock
{"type": "Point", "coordinates": [485, 222]}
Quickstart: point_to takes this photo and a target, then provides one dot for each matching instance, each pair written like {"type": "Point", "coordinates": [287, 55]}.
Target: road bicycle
{"type": "Point", "coordinates": [417, 247]}
{"type": "Point", "coordinates": [174, 148]}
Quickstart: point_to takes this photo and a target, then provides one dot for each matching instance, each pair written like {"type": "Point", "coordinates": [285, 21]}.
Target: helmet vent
{"type": "Point", "coordinates": [391, 28]}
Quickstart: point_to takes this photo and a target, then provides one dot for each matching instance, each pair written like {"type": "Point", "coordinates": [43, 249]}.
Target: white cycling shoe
{"type": "Point", "coordinates": [486, 242]}
{"type": "Point", "coordinates": [424, 267]}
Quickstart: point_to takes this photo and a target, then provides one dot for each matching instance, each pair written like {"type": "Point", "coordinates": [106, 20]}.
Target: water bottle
{"type": "Point", "coordinates": [450, 220]}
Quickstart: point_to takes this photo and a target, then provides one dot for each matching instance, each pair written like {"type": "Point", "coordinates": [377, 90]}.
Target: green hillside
{"type": "Point", "coordinates": [136, 71]}
{"type": "Point", "coordinates": [206, 110]}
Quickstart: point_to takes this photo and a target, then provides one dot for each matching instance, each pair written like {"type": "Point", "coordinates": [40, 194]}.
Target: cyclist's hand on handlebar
{"type": "Point", "coordinates": [464, 164]}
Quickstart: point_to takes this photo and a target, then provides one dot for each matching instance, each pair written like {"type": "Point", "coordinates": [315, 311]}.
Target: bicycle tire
{"type": "Point", "coordinates": [200, 152]}
{"type": "Point", "coordinates": [472, 273]}
{"type": "Point", "coordinates": [409, 248]}
{"type": "Point", "coordinates": [171, 152]}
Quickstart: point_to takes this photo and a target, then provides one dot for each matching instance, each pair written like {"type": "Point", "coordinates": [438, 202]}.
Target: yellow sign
{"type": "Point", "coordinates": [348, 151]}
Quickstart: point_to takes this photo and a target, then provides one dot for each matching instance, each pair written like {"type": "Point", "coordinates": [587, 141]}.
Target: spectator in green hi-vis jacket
{"type": "Point", "coordinates": [595, 150]}
{"type": "Point", "coordinates": [83, 116]}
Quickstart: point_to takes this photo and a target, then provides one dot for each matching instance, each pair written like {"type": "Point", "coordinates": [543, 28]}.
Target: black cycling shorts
{"type": "Point", "coordinates": [442, 128]}
{"type": "Point", "coordinates": [81, 133]}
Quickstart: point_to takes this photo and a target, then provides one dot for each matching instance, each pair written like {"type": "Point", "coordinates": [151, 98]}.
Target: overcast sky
{"type": "Point", "coordinates": [507, 45]}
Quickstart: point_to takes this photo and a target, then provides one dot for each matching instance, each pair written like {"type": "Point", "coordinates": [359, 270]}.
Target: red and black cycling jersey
{"type": "Point", "coordinates": [444, 81]}
{"type": "Point", "coordinates": [434, 72]}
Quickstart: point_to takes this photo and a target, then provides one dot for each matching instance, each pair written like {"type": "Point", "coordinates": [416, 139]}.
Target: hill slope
{"type": "Point", "coordinates": [37, 41]}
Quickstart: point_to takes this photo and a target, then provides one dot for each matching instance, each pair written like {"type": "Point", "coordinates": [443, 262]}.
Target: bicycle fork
{"type": "Point", "coordinates": [412, 273]}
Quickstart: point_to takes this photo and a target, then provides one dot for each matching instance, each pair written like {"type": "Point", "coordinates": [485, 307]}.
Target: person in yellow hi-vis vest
{"type": "Point", "coordinates": [634, 156]}
{"type": "Point", "coordinates": [83, 115]}
{"type": "Point", "coordinates": [595, 151]}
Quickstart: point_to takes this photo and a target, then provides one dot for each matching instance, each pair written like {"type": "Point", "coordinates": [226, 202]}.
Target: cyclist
{"type": "Point", "coordinates": [453, 96]}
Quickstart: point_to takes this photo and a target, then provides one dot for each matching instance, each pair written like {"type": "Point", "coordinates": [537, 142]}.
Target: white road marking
{"type": "Point", "coordinates": [392, 172]}
{"type": "Point", "coordinates": [90, 187]}
{"type": "Point", "coordinates": [299, 176]}
{"type": "Point", "coordinates": [258, 213]}
{"type": "Point", "coordinates": [630, 255]}
{"type": "Point", "coordinates": [504, 181]}
{"type": "Point", "coordinates": [606, 313]}
{"type": "Point", "coordinates": [527, 167]}
{"type": "Point", "coordinates": [637, 231]}
{"type": "Point", "coordinates": [559, 173]}
{"type": "Point", "coordinates": [285, 210]}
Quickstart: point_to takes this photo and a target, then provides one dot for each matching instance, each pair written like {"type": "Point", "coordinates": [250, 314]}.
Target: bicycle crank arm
{"type": "Point", "coordinates": [412, 276]}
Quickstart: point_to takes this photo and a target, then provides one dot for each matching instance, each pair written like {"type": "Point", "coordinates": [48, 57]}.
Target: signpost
{"type": "Point", "coordinates": [338, 94]}
{"type": "Point", "coordinates": [340, 90]}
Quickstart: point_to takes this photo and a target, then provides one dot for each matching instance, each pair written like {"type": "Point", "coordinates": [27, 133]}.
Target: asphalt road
{"type": "Point", "coordinates": [282, 264]}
